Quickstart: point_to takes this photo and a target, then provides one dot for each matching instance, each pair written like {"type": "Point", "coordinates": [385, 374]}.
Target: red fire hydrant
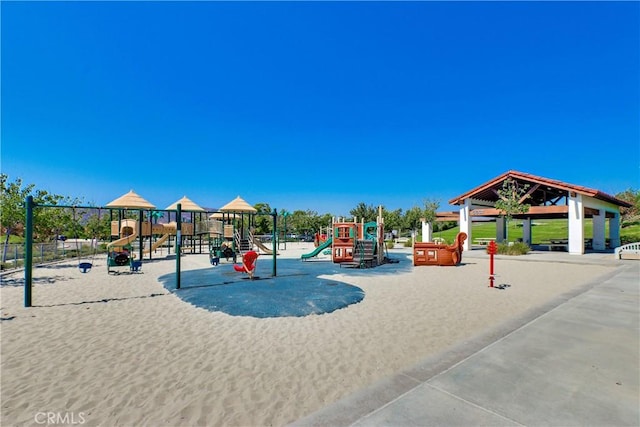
{"type": "Point", "coordinates": [492, 249]}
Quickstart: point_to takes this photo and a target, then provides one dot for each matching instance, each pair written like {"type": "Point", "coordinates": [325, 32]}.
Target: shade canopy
{"type": "Point", "coordinates": [217, 215]}
{"type": "Point", "coordinates": [187, 205]}
{"type": "Point", "coordinates": [131, 200]}
{"type": "Point", "coordinates": [238, 205]}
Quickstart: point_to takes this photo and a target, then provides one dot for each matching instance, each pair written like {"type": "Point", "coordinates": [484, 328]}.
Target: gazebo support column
{"type": "Point", "coordinates": [501, 230]}
{"type": "Point", "coordinates": [614, 231]}
{"type": "Point", "coordinates": [426, 231]}
{"type": "Point", "coordinates": [576, 224]}
{"type": "Point", "coordinates": [599, 222]}
{"type": "Point", "coordinates": [465, 223]}
{"type": "Point", "coordinates": [526, 231]}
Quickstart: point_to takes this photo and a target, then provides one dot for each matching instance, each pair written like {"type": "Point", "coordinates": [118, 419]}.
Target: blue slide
{"type": "Point", "coordinates": [317, 250]}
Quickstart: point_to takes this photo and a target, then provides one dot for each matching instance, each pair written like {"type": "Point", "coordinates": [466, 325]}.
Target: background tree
{"type": "Point", "coordinates": [47, 221]}
{"type": "Point", "coordinates": [264, 223]}
{"type": "Point", "coordinates": [323, 221]}
{"type": "Point", "coordinates": [304, 222]}
{"type": "Point", "coordinates": [392, 220]}
{"type": "Point", "coordinates": [430, 210]}
{"type": "Point", "coordinates": [365, 213]}
{"type": "Point", "coordinates": [412, 219]}
{"type": "Point", "coordinates": [12, 197]}
{"type": "Point", "coordinates": [98, 225]}
{"type": "Point", "coordinates": [430, 213]}
{"type": "Point", "coordinates": [510, 202]}
{"type": "Point", "coordinates": [629, 216]}
{"type": "Point", "coordinates": [50, 222]}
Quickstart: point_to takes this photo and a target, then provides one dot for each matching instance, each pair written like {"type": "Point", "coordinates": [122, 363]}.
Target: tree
{"type": "Point", "coordinates": [99, 225]}
{"type": "Point", "coordinates": [305, 222]}
{"type": "Point", "coordinates": [323, 221]}
{"type": "Point", "coordinates": [510, 202]}
{"type": "Point", "coordinates": [47, 222]}
{"type": "Point", "coordinates": [430, 214]}
{"type": "Point", "coordinates": [264, 222]}
{"type": "Point", "coordinates": [365, 213]}
{"type": "Point", "coordinates": [12, 197]}
{"type": "Point", "coordinates": [392, 219]}
{"type": "Point", "coordinates": [430, 210]}
{"type": "Point", "coordinates": [632, 214]}
{"type": "Point", "coordinates": [412, 218]}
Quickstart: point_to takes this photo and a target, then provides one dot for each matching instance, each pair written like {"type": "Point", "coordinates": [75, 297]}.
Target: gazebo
{"type": "Point", "coordinates": [548, 198]}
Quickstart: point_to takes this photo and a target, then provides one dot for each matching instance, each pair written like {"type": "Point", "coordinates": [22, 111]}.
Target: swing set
{"type": "Point", "coordinates": [86, 265]}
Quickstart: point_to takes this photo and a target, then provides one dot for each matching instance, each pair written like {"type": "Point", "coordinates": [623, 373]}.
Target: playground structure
{"type": "Point", "coordinates": [233, 235]}
{"type": "Point", "coordinates": [353, 243]}
{"type": "Point", "coordinates": [127, 231]}
{"type": "Point", "coordinates": [121, 252]}
{"type": "Point", "coordinates": [221, 241]}
{"type": "Point", "coordinates": [428, 253]}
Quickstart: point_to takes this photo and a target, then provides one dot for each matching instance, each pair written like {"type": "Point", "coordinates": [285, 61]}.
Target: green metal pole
{"type": "Point", "coordinates": [28, 251]}
{"type": "Point", "coordinates": [273, 241]}
{"type": "Point", "coordinates": [285, 215]}
{"type": "Point", "coordinates": [140, 238]}
{"type": "Point", "coordinates": [178, 243]}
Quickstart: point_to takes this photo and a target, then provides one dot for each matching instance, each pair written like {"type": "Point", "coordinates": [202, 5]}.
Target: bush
{"type": "Point", "coordinates": [517, 248]}
{"type": "Point", "coordinates": [390, 244]}
{"type": "Point", "coordinates": [629, 238]}
{"type": "Point", "coordinates": [408, 243]}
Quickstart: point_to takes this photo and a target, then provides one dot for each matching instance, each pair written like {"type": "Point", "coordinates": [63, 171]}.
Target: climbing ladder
{"type": "Point", "coordinates": [242, 245]}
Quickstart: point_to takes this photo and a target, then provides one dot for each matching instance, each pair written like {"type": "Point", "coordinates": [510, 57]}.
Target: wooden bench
{"type": "Point", "coordinates": [557, 244]}
{"type": "Point", "coordinates": [484, 241]}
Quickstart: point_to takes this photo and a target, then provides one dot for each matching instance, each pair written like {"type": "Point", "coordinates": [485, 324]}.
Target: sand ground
{"type": "Point", "coordinates": [124, 351]}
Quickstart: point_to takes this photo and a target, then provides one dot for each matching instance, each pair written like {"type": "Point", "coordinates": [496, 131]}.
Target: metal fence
{"type": "Point", "coordinates": [46, 252]}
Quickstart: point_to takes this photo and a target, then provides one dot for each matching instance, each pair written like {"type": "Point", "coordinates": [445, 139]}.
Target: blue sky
{"type": "Point", "coordinates": [317, 105]}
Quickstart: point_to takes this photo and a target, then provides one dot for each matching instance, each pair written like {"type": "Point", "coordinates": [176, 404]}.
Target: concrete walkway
{"type": "Point", "coordinates": [573, 362]}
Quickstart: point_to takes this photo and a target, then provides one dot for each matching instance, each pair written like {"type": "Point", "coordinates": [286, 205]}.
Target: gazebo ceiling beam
{"type": "Point", "coordinates": [482, 202]}
{"type": "Point", "coordinates": [529, 193]}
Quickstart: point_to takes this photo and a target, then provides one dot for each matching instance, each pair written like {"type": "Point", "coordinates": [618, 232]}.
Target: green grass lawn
{"type": "Point", "coordinates": [541, 231]}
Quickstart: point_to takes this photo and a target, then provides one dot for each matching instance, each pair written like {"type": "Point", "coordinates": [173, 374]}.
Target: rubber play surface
{"type": "Point", "coordinates": [297, 290]}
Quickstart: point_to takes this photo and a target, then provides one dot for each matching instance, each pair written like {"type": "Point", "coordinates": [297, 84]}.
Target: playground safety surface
{"type": "Point", "coordinates": [297, 290]}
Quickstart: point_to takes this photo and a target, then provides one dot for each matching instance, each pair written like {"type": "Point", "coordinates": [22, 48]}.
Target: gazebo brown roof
{"type": "Point", "coordinates": [187, 205]}
{"type": "Point", "coordinates": [131, 200]}
{"type": "Point", "coordinates": [543, 193]}
{"type": "Point", "coordinates": [238, 205]}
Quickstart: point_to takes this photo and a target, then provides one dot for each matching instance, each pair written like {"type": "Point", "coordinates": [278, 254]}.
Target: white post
{"type": "Point", "coordinates": [576, 224]}
{"type": "Point", "coordinates": [599, 238]}
{"type": "Point", "coordinates": [465, 223]}
{"type": "Point", "coordinates": [526, 231]}
{"type": "Point", "coordinates": [426, 231]}
{"type": "Point", "coordinates": [614, 231]}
